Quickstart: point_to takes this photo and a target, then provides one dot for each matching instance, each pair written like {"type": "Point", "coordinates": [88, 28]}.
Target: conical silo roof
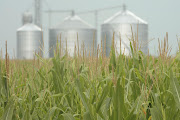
{"type": "Point", "coordinates": [125, 17]}
{"type": "Point", "coordinates": [29, 27]}
{"type": "Point", "coordinates": [73, 22]}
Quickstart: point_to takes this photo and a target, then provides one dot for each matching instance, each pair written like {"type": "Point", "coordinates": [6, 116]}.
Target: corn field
{"type": "Point", "coordinates": [118, 87]}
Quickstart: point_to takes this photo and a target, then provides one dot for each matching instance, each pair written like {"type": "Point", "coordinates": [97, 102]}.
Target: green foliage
{"type": "Point", "coordinates": [136, 87]}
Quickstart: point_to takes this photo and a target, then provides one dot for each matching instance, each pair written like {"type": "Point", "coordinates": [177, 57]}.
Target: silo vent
{"type": "Point", "coordinates": [73, 13]}
{"type": "Point", "coordinates": [124, 7]}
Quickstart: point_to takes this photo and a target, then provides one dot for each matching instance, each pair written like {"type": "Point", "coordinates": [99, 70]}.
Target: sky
{"type": "Point", "coordinates": [162, 16]}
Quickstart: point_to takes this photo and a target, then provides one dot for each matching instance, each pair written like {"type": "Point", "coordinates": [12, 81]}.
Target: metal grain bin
{"type": "Point", "coordinates": [29, 41]}
{"type": "Point", "coordinates": [120, 24]}
{"type": "Point", "coordinates": [69, 29]}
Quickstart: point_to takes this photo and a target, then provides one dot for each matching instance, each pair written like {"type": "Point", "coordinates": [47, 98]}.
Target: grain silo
{"type": "Point", "coordinates": [71, 29]}
{"type": "Point", "coordinates": [120, 24]}
{"type": "Point", "coordinates": [29, 39]}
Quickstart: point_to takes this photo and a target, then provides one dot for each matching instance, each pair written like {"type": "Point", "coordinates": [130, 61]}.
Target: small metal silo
{"type": "Point", "coordinates": [27, 18]}
{"type": "Point", "coordinates": [29, 39]}
{"type": "Point", "coordinates": [122, 25]}
{"type": "Point", "coordinates": [73, 28]}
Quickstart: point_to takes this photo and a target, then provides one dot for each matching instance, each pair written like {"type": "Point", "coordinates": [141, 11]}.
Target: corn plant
{"type": "Point", "coordinates": [135, 87]}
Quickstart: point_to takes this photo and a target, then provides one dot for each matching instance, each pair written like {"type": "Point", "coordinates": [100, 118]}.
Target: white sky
{"type": "Point", "coordinates": [162, 15]}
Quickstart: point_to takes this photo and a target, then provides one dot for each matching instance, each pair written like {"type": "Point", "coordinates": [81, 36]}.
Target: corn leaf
{"type": "Point", "coordinates": [68, 116]}
{"type": "Point", "coordinates": [175, 89]}
{"type": "Point", "coordinates": [8, 113]}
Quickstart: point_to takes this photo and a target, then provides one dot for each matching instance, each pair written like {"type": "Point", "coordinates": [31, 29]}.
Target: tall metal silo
{"type": "Point", "coordinates": [122, 25]}
{"type": "Point", "coordinates": [29, 39]}
{"type": "Point", "coordinates": [71, 29]}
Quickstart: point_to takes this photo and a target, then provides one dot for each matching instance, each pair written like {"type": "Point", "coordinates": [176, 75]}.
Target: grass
{"type": "Point", "coordinates": [136, 87]}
